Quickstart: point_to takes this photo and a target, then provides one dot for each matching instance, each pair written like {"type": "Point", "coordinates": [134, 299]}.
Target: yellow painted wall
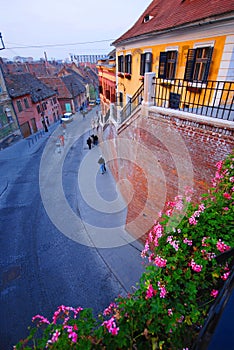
{"type": "Point", "coordinates": [132, 85]}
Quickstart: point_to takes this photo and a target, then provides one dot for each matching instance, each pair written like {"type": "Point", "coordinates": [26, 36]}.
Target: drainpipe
{"type": "Point", "coordinates": [148, 97]}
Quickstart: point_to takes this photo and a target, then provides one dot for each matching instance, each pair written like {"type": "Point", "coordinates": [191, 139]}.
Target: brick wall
{"type": "Point", "coordinates": [155, 157]}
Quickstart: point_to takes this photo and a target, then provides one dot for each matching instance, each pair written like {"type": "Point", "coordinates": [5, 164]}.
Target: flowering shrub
{"type": "Point", "coordinates": [181, 281]}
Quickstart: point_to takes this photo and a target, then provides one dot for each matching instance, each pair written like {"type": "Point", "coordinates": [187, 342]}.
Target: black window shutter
{"type": "Point", "coordinates": [142, 66]}
{"type": "Point", "coordinates": [209, 56]}
{"type": "Point", "coordinates": [119, 63]}
{"type": "Point", "coordinates": [188, 75]}
{"type": "Point", "coordinates": [162, 65]}
{"type": "Point", "coordinates": [130, 68]}
{"type": "Point", "coordinates": [126, 63]}
{"type": "Point", "coordinates": [174, 70]}
{"type": "Point", "coordinates": [150, 63]}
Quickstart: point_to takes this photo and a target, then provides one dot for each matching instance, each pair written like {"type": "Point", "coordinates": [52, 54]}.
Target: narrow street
{"type": "Point", "coordinates": [61, 243]}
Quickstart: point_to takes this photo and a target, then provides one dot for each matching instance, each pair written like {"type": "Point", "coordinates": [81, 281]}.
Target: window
{"type": "Point", "coordinates": [26, 102]}
{"type": "Point", "coordinates": [19, 106]}
{"type": "Point", "coordinates": [198, 64]}
{"type": "Point", "coordinates": [146, 63]}
{"type": "Point", "coordinates": [121, 64]}
{"type": "Point", "coordinates": [107, 93]}
{"type": "Point", "coordinates": [147, 18]}
{"type": "Point", "coordinates": [167, 65]}
{"type": "Point", "coordinates": [38, 109]}
{"type": "Point", "coordinates": [44, 106]}
{"type": "Point", "coordinates": [128, 64]}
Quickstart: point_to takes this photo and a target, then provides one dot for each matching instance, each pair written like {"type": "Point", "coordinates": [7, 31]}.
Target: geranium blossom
{"type": "Point", "coordinates": [188, 241]}
{"type": "Point", "coordinates": [150, 292]}
{"type": "Point", "coordinates": [195, 267]}
{"type": "Point", "coordinates": [173, 243]}
{"type": "Point", "coordinates": [227, 195]}
{"type": "Point", "coordinates": [41, 319]}
{"type": "Point", "coordinates": [111, 326]}
{"type": "Point", "coordinates": [160, 262]}
{"type": "Point", "coordinates": [54, 337]}
{"type": "Point", "coordinates": [71, 334]}
{"type": "Point", "coordinates": [169, 312]}
{"type": "Point", "coordinates": [162, 289]}
{"type": "Point", "coordinates": [214, 293]}
{"type": "Point", "coordinates": [109, 309]}
{"type": "Point", "coordinates": [221, 246]}
{"type": "Point", "coordinates": [225, 275]}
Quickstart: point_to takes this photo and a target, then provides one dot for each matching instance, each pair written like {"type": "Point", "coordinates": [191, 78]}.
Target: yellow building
{"type": "Point", "coordinates": [189, 45]}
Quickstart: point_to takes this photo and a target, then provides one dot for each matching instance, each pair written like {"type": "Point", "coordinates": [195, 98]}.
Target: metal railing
{"type": "Point", "coordinates": [212, 98]}
{"type": "Point", "coordinates": [132, 104]}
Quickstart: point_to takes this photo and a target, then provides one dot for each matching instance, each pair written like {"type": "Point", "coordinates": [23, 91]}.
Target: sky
{"type": "Point", "coordinates": [64, 27]}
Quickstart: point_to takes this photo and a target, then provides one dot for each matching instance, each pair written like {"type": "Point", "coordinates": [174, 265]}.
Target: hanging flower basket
{"type": "Point", "coordinates": [128, 76]}
{"type": "Point", "coordinates": [121, 75]}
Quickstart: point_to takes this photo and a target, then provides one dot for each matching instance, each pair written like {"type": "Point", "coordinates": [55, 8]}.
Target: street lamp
{"type": "Point", "coordinates": [3, 46]}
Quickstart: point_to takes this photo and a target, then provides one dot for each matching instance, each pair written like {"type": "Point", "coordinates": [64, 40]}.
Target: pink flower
{"type": "Point", "coordinates": [158, 230]}
{"type": "Point", "coordinates": [226, 208]}
{"type": "Point", "coordinates": [192, 221]}
{"type": "Point", "coordinates": [227, 195]}
{"type": "Point", "coordinates": [169, 311]}
{"type": "Point", "coordinates": [181, 319]}
{"type": "Point", "coordinates": [219, 165]}
{"type": "Point", "coordinates": [195, 267]}
{"type": "Point", "coordinates": [111, 326]}
{"type": "Point", "coordinates": [162, 289]}
{"type": "Point", "coordinates": [188, 241]}
{"type": "Point", "coordinates": [55, 337]}
{"type": "Point", "coordinates": [214, 293]}
{"type": "Point", "coordinates": [71, 334]}
{"type": "Point", "coordinates": [221, 246]}
{"type": "Point", "coordinates": [109, 309]}
{"type": "Point", "coordinates": [225, 275]}
{"type": "Point", "coordinates": [150, 292]}
{"type": "Point", "coordinates": [41, 319]}
{"type": "Point", "coordinates": [202, 207]}
{"type": "Point", "coordinates": [208, 255]}
{"type": "Point", "coordinates": [160, 262]}
{"type": "Point", "coordinates": [203, 242]}
{"type": "Point", "coordinates": [169, 212]}
{"type": "Point", "coordinates": [174, 244]}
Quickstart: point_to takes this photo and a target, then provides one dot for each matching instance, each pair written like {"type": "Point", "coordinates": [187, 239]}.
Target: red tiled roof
{"type": "Point", "coordinates": [172, 13]}
{"type": "Point", "coordinates": [58, 85]}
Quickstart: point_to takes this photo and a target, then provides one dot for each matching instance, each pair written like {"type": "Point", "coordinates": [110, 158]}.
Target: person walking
{"type": "Point", "coordinates": [101, 162]}
{"type": "Point", "coordinates": [89, 142]}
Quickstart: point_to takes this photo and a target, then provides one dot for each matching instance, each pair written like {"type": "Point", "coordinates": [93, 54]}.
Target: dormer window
{"type": "Point", "coordinates": [147, 18]}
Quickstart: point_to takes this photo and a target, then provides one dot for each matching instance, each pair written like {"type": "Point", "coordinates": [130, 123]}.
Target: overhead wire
{"type": "Point", "coordinates": [57, 45]}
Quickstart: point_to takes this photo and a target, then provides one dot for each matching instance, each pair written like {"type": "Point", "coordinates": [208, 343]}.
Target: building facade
{"type": "Point", "coordinates": [107, 82]}
{"type": "Point", "coordinates": [9, 127]}
{"type": "Point", "coordinates": [180, 41]}
{"type": "Point", "coordinates": [36, 106]}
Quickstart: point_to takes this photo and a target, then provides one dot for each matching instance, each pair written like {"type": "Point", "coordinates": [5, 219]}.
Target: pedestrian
{"type": "Point", "coordinates": [101, 162]}
{"type": "Point", "coordinates": [89, 142]}
{"type": "Point", "coordinates": [44, 124]}
{"type": "Point", "coordinates": [97, 124]}
{"type": "Point", "coordinates": [92, 124]}
{"type": "Point", "coordinates": [95, 139]}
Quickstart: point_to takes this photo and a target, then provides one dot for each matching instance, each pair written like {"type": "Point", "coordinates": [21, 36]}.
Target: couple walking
{"type": "Point", "coordinates": [101, 162]}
